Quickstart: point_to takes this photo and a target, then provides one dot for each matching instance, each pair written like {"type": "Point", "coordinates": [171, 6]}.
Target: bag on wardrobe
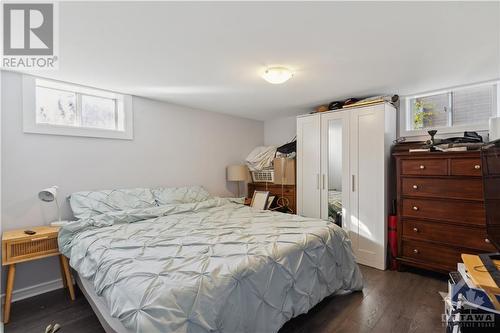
{"type": "Point", "coordinates": [288, 148]}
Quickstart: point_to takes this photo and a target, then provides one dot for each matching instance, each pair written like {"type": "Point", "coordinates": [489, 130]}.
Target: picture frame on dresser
{"type": "Point", "coordinates": [259, 199]}
{"type": "Point", "coordinates": [287, 192]}
{"type": "Point", "coordinates": [440, 206]}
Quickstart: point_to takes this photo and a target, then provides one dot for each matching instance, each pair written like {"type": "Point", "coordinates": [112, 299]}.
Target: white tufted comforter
{"type": "Point", "coordinates": [211, 266]}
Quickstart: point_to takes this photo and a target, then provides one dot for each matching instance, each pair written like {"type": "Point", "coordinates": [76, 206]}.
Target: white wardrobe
{"type": "Point", "coordinates": [344, 174]}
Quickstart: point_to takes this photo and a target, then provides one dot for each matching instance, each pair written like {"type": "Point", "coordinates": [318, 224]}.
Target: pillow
{"type": "Point", "coordinates": [89, 203]}
{"type": "Point", "coordinates": [172, 195]}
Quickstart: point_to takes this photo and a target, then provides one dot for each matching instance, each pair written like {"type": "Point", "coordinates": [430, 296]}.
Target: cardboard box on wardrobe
{"type": "Point", "coordinates": [284, 171]}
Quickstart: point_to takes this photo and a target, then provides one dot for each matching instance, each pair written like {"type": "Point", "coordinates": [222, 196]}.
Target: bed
{"type": "Point", "coordinates": [201, 264]}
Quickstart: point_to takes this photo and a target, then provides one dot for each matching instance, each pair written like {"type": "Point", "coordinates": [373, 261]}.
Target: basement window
{"type": "Point", "coordinates": [53, 107]}
{"type": "Point", "coordinates": [453, 110]}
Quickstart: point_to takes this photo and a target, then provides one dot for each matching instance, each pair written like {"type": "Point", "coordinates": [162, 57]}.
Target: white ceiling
{"type": "Point", "coordinates": [208, 55]}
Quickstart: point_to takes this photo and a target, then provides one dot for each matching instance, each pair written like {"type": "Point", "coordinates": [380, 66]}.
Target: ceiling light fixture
{"type": "Point", "coordinates": [277, 75]}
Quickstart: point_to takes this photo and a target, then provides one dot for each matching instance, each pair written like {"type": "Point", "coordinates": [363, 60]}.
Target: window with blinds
{"type": "Point", "coordinates": [455, 108]}
{"type": "Point", "coordinates": [62, 108]}
{"type": "Point", "coordinates": [430, 111]}
{"type": "Point", "coordinates": [472, 105]}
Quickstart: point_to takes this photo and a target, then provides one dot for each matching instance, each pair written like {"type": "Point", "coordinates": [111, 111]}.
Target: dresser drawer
{"type": "Point", "coordinates": [471, 189]}
{"type": "Point", "coordinates": [466, 167]}
{"type": "Point", "coordinates": [285, 191]}
{"type": "Point", "coordinates": [453, 211]}
{"type": "Point", "coordinates": [290, 198]}
{"type": "Point", "coordinates": [273, 189]}
{"type": "Point", "coordinates": [460, 236]}
{"type": "Point", "coordinates": [427, 253]}
{"type": "Point", "coordinates": [434, 167]}
{"type": "Point", "coordinates": [27, 249]}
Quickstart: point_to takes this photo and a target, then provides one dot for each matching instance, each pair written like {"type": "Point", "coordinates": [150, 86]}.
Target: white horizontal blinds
{"type": "Point", "coordinates": [56, 107]}
{"type": "Point", "coordinates": [473, 105]}
{"type": "Point", "coordinates": [98, 112]}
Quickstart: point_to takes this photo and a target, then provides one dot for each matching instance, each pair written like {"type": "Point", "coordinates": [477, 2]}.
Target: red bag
{"type": "Point", "coordinates": [393, 241]}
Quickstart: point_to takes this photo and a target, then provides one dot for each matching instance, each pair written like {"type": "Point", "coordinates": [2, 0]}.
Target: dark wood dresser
{"type": "Point", "coordinates": [289, 192]}
{"type": "Point", "coordinates": [440, 208]}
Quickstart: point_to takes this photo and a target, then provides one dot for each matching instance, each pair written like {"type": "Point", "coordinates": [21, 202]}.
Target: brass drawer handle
{"type": "Point", "coordinates": [477, 167]}
{"type": "Point", "coordinates": [415, 208]}
{"type": "Point", "coordinates": [415, 229]}
{"type": "Point", "coordinates": [486, 240]}
{"type": "Point", "coordinates": [422, 167]}
{"type": "Point", "coordinates": [415, 187]}
{"type": "Point", "coordinates": [39, 238]}
{"type": "Point", "coordinates": [415, 251]}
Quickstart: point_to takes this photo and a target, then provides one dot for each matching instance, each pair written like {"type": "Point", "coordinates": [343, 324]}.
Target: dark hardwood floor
{"type": "Point", "coordinates": [390, 302]}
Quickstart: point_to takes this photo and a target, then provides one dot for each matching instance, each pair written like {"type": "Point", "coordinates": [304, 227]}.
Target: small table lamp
{"type": "Point", "coordinates": [237, 173]}
{"type": "Point", "coordinates": [48, 195]}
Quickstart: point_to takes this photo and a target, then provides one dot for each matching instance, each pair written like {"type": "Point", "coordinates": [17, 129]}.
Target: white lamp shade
{"type": "Point", "coordinates": [237, 173]}
{"type": "Point", "coordinates": [494, 128]}
{"type": "Point", "coordinates": [48, 194]}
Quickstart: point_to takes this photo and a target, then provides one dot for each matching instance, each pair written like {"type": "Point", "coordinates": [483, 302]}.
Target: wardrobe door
{"type": "Point", "coordinates": [335, 167]}
{"type": "Point", "coordinates": [308, 166]}
{"type": "Point", "coordinates": [368, 190]}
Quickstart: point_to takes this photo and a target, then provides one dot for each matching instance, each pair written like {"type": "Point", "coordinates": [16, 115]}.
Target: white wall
{"type": "Point", "coordinates": [172, 146]}
{"type": "Point", "coordinates": [279, 131]}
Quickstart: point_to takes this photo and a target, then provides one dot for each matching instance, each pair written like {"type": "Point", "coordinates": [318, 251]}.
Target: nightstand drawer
{"type": "Point", "coordinates": [18, 246]}
{"type": "Point", "coordinates": [18, 251]}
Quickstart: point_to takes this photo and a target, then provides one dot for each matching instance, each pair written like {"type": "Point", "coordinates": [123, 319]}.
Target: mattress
{"type": "Point", "coordinates": [98, 304]}
{"type": "Point", "coordinates": [207, 266]}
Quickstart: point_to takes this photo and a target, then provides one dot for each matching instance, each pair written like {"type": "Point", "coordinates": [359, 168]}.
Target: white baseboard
{"type": "Point", "coordinates": [37, 289]}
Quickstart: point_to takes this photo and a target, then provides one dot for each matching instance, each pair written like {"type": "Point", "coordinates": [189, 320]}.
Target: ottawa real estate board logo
{"type": "Point", "coordinates": [29, 36]}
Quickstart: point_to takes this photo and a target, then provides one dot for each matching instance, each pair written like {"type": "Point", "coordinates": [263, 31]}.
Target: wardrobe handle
{"type": "Point", "coordinates": [477, 167]}
{"type": "Point", "coordinates": [353, 183]}
{"type": "Point", "coordinates": [324, 181]}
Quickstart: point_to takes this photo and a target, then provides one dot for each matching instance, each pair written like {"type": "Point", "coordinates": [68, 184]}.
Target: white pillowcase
{"type": "Point", "coordinates": [89, 203]}
{"type": "Point", "coordinates": [173, 195]}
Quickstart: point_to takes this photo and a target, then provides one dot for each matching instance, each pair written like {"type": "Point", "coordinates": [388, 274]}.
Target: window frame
{"type": "Point", "coordinates": [29, 111]}
{"type": "Point", "coordinates": [405, 122]}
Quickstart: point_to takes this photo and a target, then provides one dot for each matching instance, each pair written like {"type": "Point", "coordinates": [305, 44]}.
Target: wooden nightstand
{"type": "Point", "coordinates": [19, 247]}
